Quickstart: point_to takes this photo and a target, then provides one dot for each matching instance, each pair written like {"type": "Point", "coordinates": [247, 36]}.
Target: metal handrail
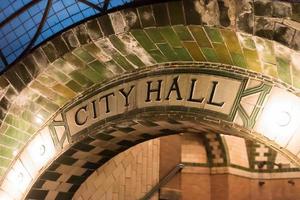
{"type": "Point", "coordinates": [163, 181]}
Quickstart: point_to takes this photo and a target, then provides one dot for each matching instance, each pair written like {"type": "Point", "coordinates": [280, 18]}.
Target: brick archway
{"type": "Point", "coordinates": [101, 133]}
{"type": "Point", "coordinates": [38, 87]}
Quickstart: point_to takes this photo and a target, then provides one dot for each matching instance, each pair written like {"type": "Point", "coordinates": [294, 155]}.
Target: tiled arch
{"type": "Point", "coordinates": [75, 165]}
{"type": "Point", "coordinates": [98, 50]}
{"type": "Point", "coordinates": [109, 137]}
{"type": "Point", "coordinates": [68, 171]}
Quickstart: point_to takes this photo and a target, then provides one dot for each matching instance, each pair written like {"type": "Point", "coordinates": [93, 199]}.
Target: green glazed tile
{"type": "Point", "coordinates": [252, 59]}
{"type": "Point", "coordinates": [155, 35]}
{"type": "Point", "coordinates": [270, 69]}
{"type": "Point", "coordinates": [200, 36]}
{"type": "Point", "coordinates": [60, 100]}
{"type": "Point", "coordinates": [44, 79]}
{"type": "Point", "coordinates": [32, 129]}
{"type": "Point", "coordinates": [63, 66]}
{"type": "Point", "coordinates": [135, 60]}
{"type": "Point", "coordinates": [247, 41]}
{"type": "Point", "coordinates": [32, 106]}
{"type": "Point", "coordinates": [91, 74]}
{"type": "Point", "coordinates": [2, 171]}
{"type": "Point", "coordinates": [24, 125]}
{"type": "Point", "coordinates": [239, 60]}
{"type": "Point", "coordinates": [213, 34]}
{"type": "Point", "coordinates": [210, 54]}
{"type": "Point", "coordinates": [295, 64]}
{"type": "Point", "coordinates": [45, 114]}
{"type": "Point", "coordinates": [222, 53]}
{"type": "Point", "coordinates": [143, 39]}
{"type": "Point", "coordinates": [83, 55]}
{"type": "Point", "coordinates": [101, 69]}
{"type": "Point", "coordinates": [169, 35]}
{"type": "Point", "coordinates": [27, 115]}
{"type": "Point", "coordinates": [9, 142]}
{"type": "Point", "coordinates": [43, 89]}
{"type": "Point", "coordinates": [74, 86]}
{"type": "Point", "coordinates": [158, 56]}
{"type": "Point", "coordinates": [182, 54]}
{"type": "Point", "coordinates": [296, 79]}
{"type": "Point", "coordinates": [64, 91]}
{"type": "Point", "coordinates": [74, 60]}
{"type": "Point", "coordinates": [231, 41]}
{"type": "Point", "coordinates": [6, 152]}
{"type": "Point", "coordinates": [17, 134]}
{"type": "Point", "coordinates": [283, 68]}
{"type": "Point", "coordinates": [167, 51]}
{"type": "Point", "coordinates": [58, 75]}
{"type": "Point", "coordinates": [32, 95]}
{"type": "Point", "coordinates": [118, 44]}
{"type": "Point", "coordinates": [16, 122]}
{"type": "Point", "coordinates": [122, 62]}
{"type": "Point", "coordinates": [81, 79]}
{"type": "Point", "coordinates": [13, 121]}
{"type": "Point", "coordinates": [48, 105]}
{"type": "Point", "coordinates": [183, 33]}
{"type": "Point", "coordinates": [5, 162]}
{"type": "Point", "coordinates": [114, 67]}
{"type": "Point", "coordinates": [93, 49]}
{"type": "Point", "coordinates": [268, 53]}
{"type": "Point", "coordinates": [194, 51]}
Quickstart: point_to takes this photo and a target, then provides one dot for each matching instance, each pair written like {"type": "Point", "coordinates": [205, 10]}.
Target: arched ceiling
{"type": "Point", "coordinates": [262, 43]}
{"type": "Point", "coordinates": [202, 153]}
{"type": "Point", "coordinates": [24, 24]}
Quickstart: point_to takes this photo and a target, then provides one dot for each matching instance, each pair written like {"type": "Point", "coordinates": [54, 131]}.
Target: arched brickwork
{"type": "Point", "coordinates": [98, 142]}
{"type": "Point", "coordinates": [130, 173]}
{"type": "Point", "coordinates": [260, 44]}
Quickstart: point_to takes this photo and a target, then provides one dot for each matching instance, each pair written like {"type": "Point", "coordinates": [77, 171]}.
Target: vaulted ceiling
{"type": "Point", "coordinates": [257, 39]}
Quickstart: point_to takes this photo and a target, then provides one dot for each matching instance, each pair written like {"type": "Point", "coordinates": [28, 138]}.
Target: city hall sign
{"type": "Point", "coordinates": [204, 91]}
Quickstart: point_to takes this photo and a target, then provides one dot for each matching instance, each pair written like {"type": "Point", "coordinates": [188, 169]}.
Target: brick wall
{"type": "Point", "coordinates": [193, 149]}
{"type": "Point", "coordinates": [127, 176]}
{"type": "Point", "coordinates": [201, 183]}
{"type": "Point", "coordinates": [132, 173]}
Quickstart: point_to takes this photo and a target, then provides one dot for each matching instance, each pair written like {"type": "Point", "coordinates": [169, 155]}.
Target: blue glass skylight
{"type": "Point", "coordinates": [25, 17]}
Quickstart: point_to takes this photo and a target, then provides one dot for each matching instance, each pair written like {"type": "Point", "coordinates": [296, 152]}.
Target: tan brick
{"type": "Point", "coordinates": [128, 175]}
{"type": "Point", "coordinates": [119, 169]}
{"type": "Point", "coordinates": [99, 179]}
{"type": "Point", "coordinates": [52, 194]}
{"type": "Point", "coordinates": [109, 194]}
{"type": "Point", "coordinates": [108, 182]}
{"type": "Point", "coordinates": [50, 185]}
{"type": "Point", "coordinates": [109, 168]}
{"type": "Point", "coordinates": [122, 192]}
{"type": "Point", "coordinates": [115, 196]}
{"type": "Point", "coordinates": [128, 171]}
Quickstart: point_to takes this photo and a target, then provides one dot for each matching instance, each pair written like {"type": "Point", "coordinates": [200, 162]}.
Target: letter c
{"type": "Point", "coordinates": [77, 121]}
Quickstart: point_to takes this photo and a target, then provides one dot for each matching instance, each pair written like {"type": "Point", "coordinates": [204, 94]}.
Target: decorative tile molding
{"type": "Point", "coordinates": [93, 145]}
{"type": "Point", "coordinates": [57, 72]}
{"type": "Point", "coordinates": [100, 50]}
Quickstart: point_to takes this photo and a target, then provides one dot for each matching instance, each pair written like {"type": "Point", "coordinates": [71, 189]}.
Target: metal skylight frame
{"type": "Point", "coordinates": [101, 7]}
